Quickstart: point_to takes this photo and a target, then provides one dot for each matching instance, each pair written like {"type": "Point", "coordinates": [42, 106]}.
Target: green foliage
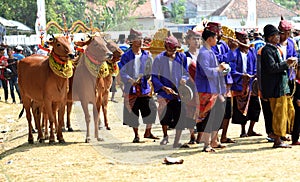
{"type": "Point", "coordinates": [176, 12]}
{"type": "Point", "coordinates": [290, 4]}
{"type": "Point", "coordinates": [114, 17]}
{"type": "Point", "coordinates": [19, 10]}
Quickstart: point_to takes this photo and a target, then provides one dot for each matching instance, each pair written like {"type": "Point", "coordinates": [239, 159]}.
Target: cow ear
{"type": "Point", "coordinates": [80, 43]}
{"type": "Point", "coordinates": [50, 41]}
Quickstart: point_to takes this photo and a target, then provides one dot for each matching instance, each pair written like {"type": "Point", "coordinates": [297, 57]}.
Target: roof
{"type": "Point", "coordinates": [144, 10]}
{"type": "Point", "coordinates": [7, 23]}
{"type": "Point", "coordinates": [236, 9]}
{"type": "Point", "coordinates": [20, 26]}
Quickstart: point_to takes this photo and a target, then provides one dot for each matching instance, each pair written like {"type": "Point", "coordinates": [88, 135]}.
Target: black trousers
{"type": "Point", "coordinates": [296, 128]}
{"type": "Point", "coordinates": [266, 108]}
{"type": "Point", "coordinates": [5, 87]}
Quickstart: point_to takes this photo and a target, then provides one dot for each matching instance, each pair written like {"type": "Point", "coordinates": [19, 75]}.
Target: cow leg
{"type": "Point", "coordinates": [98, 106]}
{"type": "Point", "coordinates": [27, 105]}
{"type": "Point", "coordinates": [48, 109]}
{"type": "Point", "coordinates": [104, 108]}
{"type": "Point", "coordinates": [87, 116]}
{"type": "Point", "coordinates": [96, 120]}
{"type": "Point", "coordinates": [45, 123]}
{"type": "Point", "coordinates": [69, 109]}
{"type": "Point", "coordinates": [61, 113]}
{"type": "Point", "coordinates": [36, 110]}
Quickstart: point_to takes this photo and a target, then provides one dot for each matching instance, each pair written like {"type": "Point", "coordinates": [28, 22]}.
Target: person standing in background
{"type": "Point", "coordinates": [3, 64]}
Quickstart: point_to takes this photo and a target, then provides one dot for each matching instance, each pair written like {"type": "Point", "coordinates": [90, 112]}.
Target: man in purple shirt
{"type": "Point", "coordinates": [135, 72]}
{"type": "Point", "coordinates": [210, 84]}
{"type": "Point", "coordinates": [169, 71]}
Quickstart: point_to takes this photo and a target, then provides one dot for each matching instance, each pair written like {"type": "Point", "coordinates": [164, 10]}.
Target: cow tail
{"type": "Point", "coordinates": [21, 113]}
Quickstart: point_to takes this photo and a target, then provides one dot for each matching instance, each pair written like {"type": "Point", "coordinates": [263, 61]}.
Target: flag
{"type": "Point", "coordinates": [40, 24]}
{"type": "Point", "coordinates": [251, 18]}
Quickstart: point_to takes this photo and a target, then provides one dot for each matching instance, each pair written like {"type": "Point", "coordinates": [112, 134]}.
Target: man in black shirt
{"type": "Point", "coordinates": [13, 76]}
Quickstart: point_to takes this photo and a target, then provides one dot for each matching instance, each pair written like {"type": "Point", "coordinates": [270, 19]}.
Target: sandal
{"type": "Point", "coordinates": [192, 141]}
{"type": "Point", "coordinates": [179, 145]}
{"type": "Point", "coordinates": [208, 149]}
{"type": "Point", "coordinates": [151, 136]}
{"type": "Point", "coordinates": [219, 146]}
{"type": "Point", "coordinates": [165, 140]}
{"type": "Point", "coordinates": [243, 135]}
{"type": "Point", "coordinates": [136, 140]}
{"type": "Point", "coordinates": [228, 140]}
{"type": "Point", "coordinates": [254, 134]}
{"type": "Point", "coordinates": [282, 145]}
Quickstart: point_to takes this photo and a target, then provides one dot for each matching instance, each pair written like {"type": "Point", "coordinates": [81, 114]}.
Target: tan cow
{"type": "Point", "coordinates": [89, 68]}
{"type": "Point", "coordinates": [44, 79]}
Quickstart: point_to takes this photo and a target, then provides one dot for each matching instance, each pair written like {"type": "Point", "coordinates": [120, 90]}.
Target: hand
{"type": "Point", "coordinates": [222, 66]}
{"type": "Point", "coordinates": [291, 60]}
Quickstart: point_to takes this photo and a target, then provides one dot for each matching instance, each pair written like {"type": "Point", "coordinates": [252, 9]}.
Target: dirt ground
{"type": "Point", "coordinates": [118, 159]}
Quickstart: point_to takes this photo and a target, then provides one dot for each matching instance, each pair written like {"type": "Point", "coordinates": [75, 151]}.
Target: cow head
{"type": "Point", "coordinates": [61, 48]}
{"type": "Point", "coordinates": [117, 52]}
{"type": "Point", "coordinates": [96, 49]}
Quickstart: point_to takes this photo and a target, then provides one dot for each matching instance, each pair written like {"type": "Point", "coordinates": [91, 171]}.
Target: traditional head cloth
{"type": "Point", "coordinates": [172, 42]}
{"type": "Point", "coordinates": [2, 48]}
{"type": "Point", "coordinates": [241, 35]}
{"type": "Point", "coordinates": [214, 27]}
{"type": "Point", "coordinates": [284, 25]}
{"type": "Point", "coordinates": [270, 30]}
{"type": "Point", "coordinates": [193, 33]}
{"type": "Point", "coordinates": [134, 35]}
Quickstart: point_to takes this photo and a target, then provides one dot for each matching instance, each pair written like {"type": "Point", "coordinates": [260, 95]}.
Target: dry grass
{"type": "Point", "coordinates": [117, 159]}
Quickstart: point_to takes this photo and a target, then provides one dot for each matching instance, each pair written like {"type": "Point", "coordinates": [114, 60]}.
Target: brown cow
{"type": "Point", "coordinates": [90, 65]}
{"type": "Point", "coordinates": [46, 85]}
{"type": "Point", "coordinates": [104, 83]}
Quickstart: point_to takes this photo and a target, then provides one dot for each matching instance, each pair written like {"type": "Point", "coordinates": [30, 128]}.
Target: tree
{"type": "Point", "coordinates": [20, 10]}
{"type": "Point", "coordinates": [177, 11]}
{"type": "Point", "coordinates": [114, 17]}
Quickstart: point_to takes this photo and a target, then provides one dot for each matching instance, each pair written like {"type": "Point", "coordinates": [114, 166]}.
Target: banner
{"type": "Point", "coordinates": [251, 18]}
{"type": "Point", "coordinates": [40, 24]}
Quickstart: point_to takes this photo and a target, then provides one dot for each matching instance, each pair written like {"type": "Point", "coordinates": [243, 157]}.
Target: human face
{"type": "Point", "coordinates": [194, 42]}
{"type": "Point", "coordinates": [170, 51]}
{"type": "Point", "coordinates": [285, 35]}
{"type": "Point", "coordinates": [212, 41]}
{"type": "Point", "coordinates": [1, 53]}
{"type": "Point", "coordinates": [274, 39]}
{"type": "Point", "coordinates": [137, 42]}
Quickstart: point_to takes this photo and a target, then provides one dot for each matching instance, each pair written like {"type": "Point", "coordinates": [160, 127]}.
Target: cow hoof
{"type": "Point", "coordinates": [108, 128]}
{"type": "Point", "coordinates": [87, 140]}
{"type": "Point", "coordinates": [100, 127]}
{"type": "Point", "coordinates": [62, 141]}
{"type": "Point", "coordinates": [30, 141]}
{"type": "Point", "coordinates": [33, 130]}
{"type": "Point", "coordinates": [100, 139]}
{"type": "Point", "coordinates": [42, 140]}
{"type": "Point", "coordinates": [63, 129]}
{"type": "Point", "coordinates": [70, 130]}
{"type": "Point", "coordinates": [51, 142]}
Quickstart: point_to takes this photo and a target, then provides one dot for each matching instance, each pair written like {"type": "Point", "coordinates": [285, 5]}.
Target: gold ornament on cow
{"type": "Point", "coordinates": [100, 71]}
{"type": "Point", "coordinates": [62, 70]}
